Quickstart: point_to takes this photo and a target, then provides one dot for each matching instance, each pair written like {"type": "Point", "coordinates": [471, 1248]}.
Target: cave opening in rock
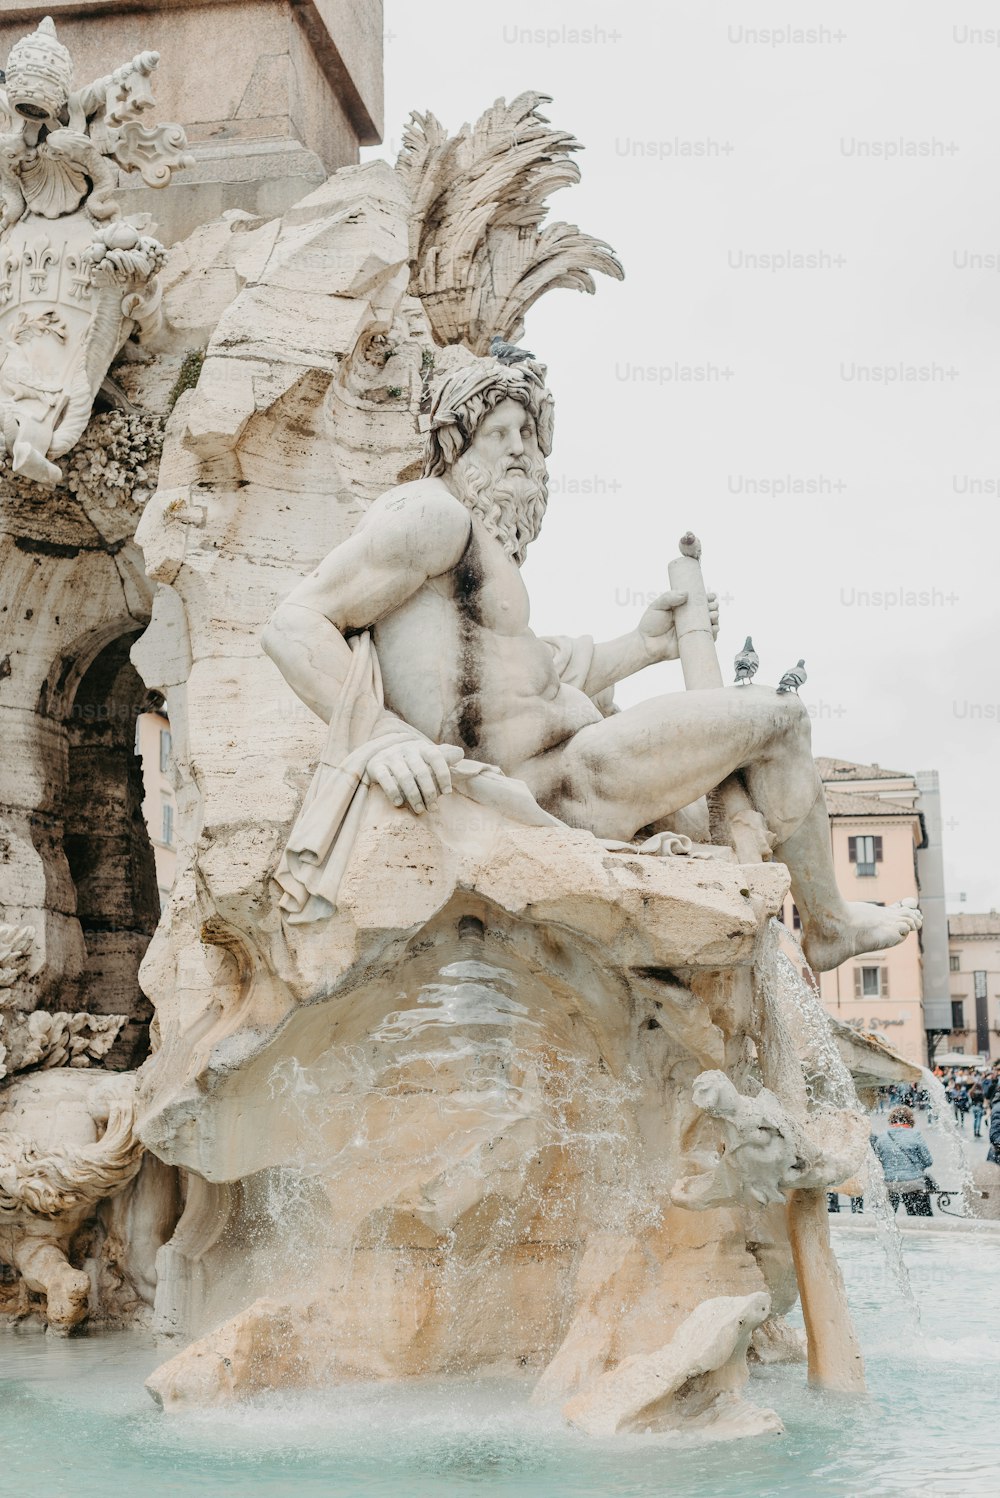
{"type": "Point", "coordinates": [107, 843]}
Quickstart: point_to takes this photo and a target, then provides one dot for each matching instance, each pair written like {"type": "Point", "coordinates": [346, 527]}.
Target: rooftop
{"type": "Point", "coordinates": [858, 804]}
{"type": "Point", "coordinates": [846, 769]}
{"type": "Point", "coordinates": [974, 925]}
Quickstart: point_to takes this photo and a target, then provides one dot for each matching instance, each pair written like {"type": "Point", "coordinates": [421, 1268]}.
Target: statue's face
{"type": "Point", "coordinates": [505, 440]}
{"type": "Point", "coordinates": [501, 477]}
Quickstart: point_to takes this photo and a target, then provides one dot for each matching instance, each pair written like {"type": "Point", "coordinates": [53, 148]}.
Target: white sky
{"type": "Point", "coordinates": [912, 685]}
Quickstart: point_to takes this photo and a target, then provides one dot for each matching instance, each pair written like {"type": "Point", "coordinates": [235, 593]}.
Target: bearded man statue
{"type": "Point", "coordinates": [412, 640]}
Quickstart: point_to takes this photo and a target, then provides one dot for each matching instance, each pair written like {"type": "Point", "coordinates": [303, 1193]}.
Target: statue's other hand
{"type": "Point", "coordinates": [656, 627]}
{"type": "Point", "coordinates": [414, 774]}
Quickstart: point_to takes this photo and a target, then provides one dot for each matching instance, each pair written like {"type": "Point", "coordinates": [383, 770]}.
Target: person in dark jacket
{"type": "Point", "coordinates": [959, 1095]}
{"type": "Point", "coordinates": [993, 1153]}
{"type": "Point", "coordinates": [904, 1157]}
{"type": "Point", "coordinates": [978, 1103]}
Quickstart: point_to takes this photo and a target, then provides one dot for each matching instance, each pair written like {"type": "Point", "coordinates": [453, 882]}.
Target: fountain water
{"type": "Point", "coordinates": [830, 1085]}
{"type": "Point", "coordinates": [940, 1113]}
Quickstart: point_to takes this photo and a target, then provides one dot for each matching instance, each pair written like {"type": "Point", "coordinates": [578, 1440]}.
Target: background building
{"type": "Point", "coordinates": [974, 960]}
{"type": "Point", "coordinates": [152, 741]}
{"type": "Point", "coordinates": [877, 830]}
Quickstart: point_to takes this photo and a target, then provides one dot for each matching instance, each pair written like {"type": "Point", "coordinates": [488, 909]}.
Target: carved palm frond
{"type": "Point", "coordinates": [479, 258]}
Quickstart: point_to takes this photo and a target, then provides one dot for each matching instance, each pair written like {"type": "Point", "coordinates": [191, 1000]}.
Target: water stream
{"type": "Point", "coordinates": [830, 1085]}
{"type": "Point", "coordinates": [940, 1113]}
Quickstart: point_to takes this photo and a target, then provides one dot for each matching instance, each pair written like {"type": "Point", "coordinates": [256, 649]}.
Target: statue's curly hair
{"type": "Point", "coordinates": [470, 393]}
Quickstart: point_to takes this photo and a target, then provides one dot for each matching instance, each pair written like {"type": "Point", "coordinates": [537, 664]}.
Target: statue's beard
{"type": "Point", "coordinates": [509, 498]}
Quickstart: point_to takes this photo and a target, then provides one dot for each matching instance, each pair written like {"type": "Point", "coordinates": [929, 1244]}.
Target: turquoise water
{"type": "Point", "coordinates": [75, 1421]}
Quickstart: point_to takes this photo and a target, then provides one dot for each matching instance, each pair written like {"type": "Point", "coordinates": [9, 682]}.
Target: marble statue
{"type": "Point", "coordinates": [443, 667]}
{"type": "Point", "coordinates": [469, 1054]}
{"type": "Point", "coordinates": [77, 278]}
{"type": "Point", "coordinates": [67, 1141]}
{"type": "Point", "coordinates": [67, 1144]}
{"type": "Point", "coordinates": [766, 1151]}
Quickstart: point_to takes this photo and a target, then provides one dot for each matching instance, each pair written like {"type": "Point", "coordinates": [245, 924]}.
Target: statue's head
{"type": "Point", "coordinates": [490, 433]}
{"type": "Point", "coordinates": [39, 75]}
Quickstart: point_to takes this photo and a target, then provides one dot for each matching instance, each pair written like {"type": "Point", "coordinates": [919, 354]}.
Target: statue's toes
{"type": "Point", "coordinates": [908, 915]}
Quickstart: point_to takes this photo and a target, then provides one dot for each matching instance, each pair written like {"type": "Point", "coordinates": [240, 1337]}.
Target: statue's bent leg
{"type": "Point", "coordinates": [648, 761]}
{"type": "Point", "coordinates": [632, 769]}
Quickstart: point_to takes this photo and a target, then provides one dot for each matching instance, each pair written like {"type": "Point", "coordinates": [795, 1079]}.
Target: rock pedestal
{"type": "Point", "coordinates": [454, 1112]}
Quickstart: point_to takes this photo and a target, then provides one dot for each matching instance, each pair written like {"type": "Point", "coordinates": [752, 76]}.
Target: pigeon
{"type": "Point", "coordinates": [793, 678]}
{"type": "Point", "coordinates": [746, 663]}
{"type": "Point", "coordinates": [508, 353]}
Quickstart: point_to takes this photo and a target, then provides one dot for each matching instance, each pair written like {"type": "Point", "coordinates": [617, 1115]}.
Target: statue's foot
{"type": "Point", "coordinates": [863, 928]}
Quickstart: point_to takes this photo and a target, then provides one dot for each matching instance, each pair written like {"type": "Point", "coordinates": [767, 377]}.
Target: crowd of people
{"type": "Point", "coordinates": [901, 1148]}
{"type": "Point", "coordinates": [971, 1094]}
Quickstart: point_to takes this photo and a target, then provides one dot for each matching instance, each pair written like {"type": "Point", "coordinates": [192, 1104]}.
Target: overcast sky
{"type": "Point", "coordinates": [867, 137]}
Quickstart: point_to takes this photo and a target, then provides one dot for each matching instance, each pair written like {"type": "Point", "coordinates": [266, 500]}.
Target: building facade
{"type": "Point", "coordinates": [152, 742]}
{"type": "Point", "coordinates": [877, 830]}
{"type": "Point", "coordinates": [974, 977]}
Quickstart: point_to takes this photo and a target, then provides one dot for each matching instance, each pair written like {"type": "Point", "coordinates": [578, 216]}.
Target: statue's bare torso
{"type": "Point", "coordinates": [459, 661]}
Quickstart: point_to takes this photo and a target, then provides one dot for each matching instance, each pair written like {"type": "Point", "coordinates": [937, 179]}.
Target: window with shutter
{"type": "Point", "coordinates": [883, 982]}
{"type": "Point", "coordinates": [870, 982]}
{"type": "Point", "coordinates": [864, 865]}
{"type": "Point", "coordinates": [852, 849]}
{"type": "Point", "coordinates": [878, 849]}
{"type": "Point", "coordinates": [858, 994]}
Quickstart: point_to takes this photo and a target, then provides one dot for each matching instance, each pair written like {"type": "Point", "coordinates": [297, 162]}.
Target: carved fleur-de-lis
{"type": "Point", "coordinates": [39, 258]}
{"type": "Point", "coordinates": [10, 261]}
{"type": "Point", "coordinates": [79, 272]}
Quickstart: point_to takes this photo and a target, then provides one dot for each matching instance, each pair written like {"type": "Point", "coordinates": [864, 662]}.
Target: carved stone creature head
{"type": "Point", "coordinates": [715, 1094]}
{"type": "Point", "coordinates": [39, 75]}
{"type": "Point", "coordinates": [490, 433]}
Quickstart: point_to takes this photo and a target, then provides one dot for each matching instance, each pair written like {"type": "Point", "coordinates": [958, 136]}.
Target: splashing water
{"type": "Point", "coordinates": [939, 1112]}
{"type": "Point", "coordinates": [468, 1124]}
{"type": "Point", "coordinates": [829, 1085]}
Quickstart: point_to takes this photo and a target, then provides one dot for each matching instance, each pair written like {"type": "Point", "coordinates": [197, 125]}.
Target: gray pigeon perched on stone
{"type": "Point", "coordinates": [793, 678]}
{"type": "Point", "coordinates": [746, 663]}
{"type": "Point", "coordinates": [508, 353]}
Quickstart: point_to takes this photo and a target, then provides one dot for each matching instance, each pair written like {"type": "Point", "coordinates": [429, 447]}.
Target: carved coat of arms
{"type": "Point", "coordinates": [77, 278]}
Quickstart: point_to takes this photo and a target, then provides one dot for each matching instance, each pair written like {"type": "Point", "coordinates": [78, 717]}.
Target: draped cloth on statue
{"type": "Point", "coordinates": [319, 848]}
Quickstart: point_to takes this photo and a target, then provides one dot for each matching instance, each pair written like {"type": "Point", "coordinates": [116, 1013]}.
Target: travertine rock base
{"type": "Point", "coordinates": [694, 1376]}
